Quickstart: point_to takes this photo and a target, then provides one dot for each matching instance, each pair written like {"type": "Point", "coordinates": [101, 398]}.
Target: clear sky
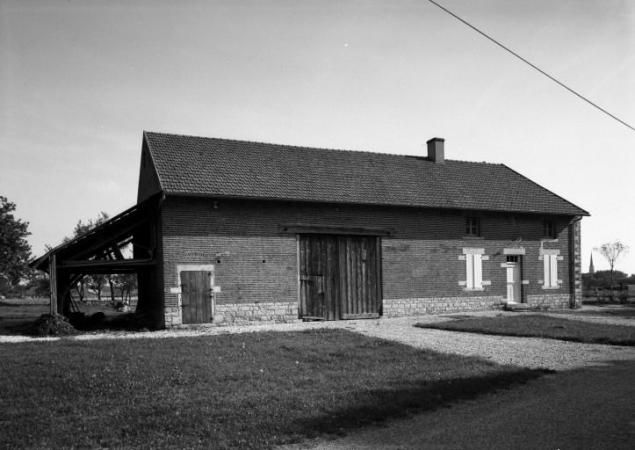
{"type": "Point", "coordinates": [81, 80]}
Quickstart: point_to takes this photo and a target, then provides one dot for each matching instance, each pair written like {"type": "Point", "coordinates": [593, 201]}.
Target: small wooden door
{"type": "Point", "coordinates": [196, 296]}
{"type": "Point", "coordinates": [513, 279]}
{"type": "Point", "coordinates": [339, 277]}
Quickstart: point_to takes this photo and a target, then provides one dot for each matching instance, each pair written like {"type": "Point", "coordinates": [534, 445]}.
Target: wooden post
{"type": "Point", "coordinates": [53, 282]}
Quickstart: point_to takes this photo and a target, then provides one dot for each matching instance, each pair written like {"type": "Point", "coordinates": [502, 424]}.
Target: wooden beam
{"type": "Point", "coordinates": [106, 265]}
{"type": "Point", "coordinates": [116, 250]}
{"type": "Point", "coordinates": [53, 283]}
{"type": "Point", "coordinates": [104, 238]}
{"type": "Point", "coordinates": [303, 228]}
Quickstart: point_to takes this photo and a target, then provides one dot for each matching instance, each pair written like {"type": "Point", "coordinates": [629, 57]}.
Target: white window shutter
{"type": "Point", "coordinates": [553, 279]}
{"type": "Point", "coordinates": [469, 259]}
{"type": "Point", "coordinates": [547, 271]}
{"type": "Point", "coordinates": [478, 271]}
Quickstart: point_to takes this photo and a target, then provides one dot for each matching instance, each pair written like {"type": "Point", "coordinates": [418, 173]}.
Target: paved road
{"type": "Point", "coordinates": [588, 408]}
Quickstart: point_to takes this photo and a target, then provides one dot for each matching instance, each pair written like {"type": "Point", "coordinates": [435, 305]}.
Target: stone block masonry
{"type": "Point", "coordinates": [415, 306]}
{"type": "Point", "coordinates": [173, 316]}
{"type": "Point", "coordinates": [243, 314]}
{"type": "Point", "coordinates": [252, 313]}
{"type": "Point", "coordinates": [551, 301]}
{"type": "Point", "coordinates": [287, 312]}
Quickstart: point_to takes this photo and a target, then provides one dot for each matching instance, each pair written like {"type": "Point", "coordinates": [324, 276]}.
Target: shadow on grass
{"type": "Point", "coordinates": [48, 326]}
{"type": "Point", "coordinates": [610, 309]}
{"type": "Point", "coordinates": [544, 327]}
{"type": "Point", "coordinates": [381, 405]}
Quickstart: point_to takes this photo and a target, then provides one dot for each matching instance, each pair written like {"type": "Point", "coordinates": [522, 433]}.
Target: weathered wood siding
{"type": "Point", "coordinates": [339, 277]}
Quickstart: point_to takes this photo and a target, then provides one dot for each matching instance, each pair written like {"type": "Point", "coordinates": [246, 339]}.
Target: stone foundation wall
{"type": "Point", "coordinates": [252, 313]}
{"type": "Point", "coordinates": [416, 306]}
{"type": "Point", "coordinates": [243, 314]}
{"type": "Point", "coordinates": [172, 316]}
{"type": "Point", "coordinates": [287, 312]}
{"type": "Point", "coordinates": [550, 301]}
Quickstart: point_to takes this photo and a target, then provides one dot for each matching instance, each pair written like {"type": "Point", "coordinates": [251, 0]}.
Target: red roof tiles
{"type": "Point", "coordinates": [198, 166]}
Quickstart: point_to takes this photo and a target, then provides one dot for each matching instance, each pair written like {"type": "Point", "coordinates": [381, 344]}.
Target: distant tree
{"type": "Point", "coordinates": [612, 251]}
{"type": "Point", "coordinates": [94, 282]}
{"type": "Point", "coordinates": [15, 251]}
{"type": "Point", "coordinates": [601, 279]}
{"type": "Point", "coordinates": [127, 283]}
{"type": "Point", "coordinates": [114, 281]}
{"type": "Point", "coordinates": [39, 284]}
{"type": "Point", "coordinates": [85, 227]}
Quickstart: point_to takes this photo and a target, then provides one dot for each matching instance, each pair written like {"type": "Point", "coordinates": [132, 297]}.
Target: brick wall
{"type": "Point", "coordinates": [255, 262]}
{"type": "Point", "coordinates": [247, 269]}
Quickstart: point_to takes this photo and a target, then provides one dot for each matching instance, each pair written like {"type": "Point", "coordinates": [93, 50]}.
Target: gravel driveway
{"type": "Point", "coordinates": [525, 352]}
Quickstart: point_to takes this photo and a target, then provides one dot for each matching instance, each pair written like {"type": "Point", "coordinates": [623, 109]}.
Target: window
{"type": "Point", "coordinates": [549, 229]}
{"type": "Point", "coordinates": [551, 270]}
{"type": "Point", "coordinates": [472, 226]}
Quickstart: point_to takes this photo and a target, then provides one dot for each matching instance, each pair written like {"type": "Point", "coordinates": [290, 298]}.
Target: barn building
{"type": "Point", "coordinates": [233, 232]}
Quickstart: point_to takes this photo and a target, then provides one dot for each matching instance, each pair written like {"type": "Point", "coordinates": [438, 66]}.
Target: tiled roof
{"type": "Point", "coordinates": [211, 167]}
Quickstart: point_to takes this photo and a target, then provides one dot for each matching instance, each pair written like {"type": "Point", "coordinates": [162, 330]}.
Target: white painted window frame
{"type": "Point", "coordinates": [474, 258]}
{"type": "Point", "coordinates": [550, 260]}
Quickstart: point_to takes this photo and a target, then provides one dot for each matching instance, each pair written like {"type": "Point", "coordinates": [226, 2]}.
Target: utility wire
{"type": "Point", "coordinates": [532, 65]}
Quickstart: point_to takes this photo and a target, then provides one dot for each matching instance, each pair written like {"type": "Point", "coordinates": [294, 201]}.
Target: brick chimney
{"type": "Point", "coordinates": [436, 150]}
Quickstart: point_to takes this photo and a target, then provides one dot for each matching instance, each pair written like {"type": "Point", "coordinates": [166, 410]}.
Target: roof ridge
{"type": "Point", "coordinates": [245, 141]}
{"type": "Point", "coordinates": [326, 149]}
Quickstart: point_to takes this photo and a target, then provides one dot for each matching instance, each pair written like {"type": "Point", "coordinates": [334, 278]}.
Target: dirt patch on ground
{"type": "Point", "coordinates": [17, 315]}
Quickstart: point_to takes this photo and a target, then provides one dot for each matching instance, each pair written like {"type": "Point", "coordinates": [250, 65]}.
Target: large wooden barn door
{"type": "Point", "coordinates": [339, 277]}
{"type": "Point", "coordinates": [196, 296]}
{"type": "Point", "coordinates": [359, 272]}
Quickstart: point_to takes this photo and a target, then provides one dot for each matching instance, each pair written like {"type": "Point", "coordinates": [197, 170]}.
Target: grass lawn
{"type": "Point", "coordinates": [536, 325]}
{"type": "Point", "coordinates": [251, 390]}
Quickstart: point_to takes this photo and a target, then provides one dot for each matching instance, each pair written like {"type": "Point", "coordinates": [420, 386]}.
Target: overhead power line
{"type": "Point", "coordinates": [532, 65]}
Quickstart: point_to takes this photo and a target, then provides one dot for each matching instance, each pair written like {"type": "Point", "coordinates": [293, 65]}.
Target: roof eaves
{"type": "Point", "coordinates": [396, 205]}
{"type": "Point", "coordinates": [580, 211]}
{"type": "Point", "coordinates": [153, 160]}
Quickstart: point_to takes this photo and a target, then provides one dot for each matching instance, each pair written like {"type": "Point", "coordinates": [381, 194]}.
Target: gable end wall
{"type": "Point", "coordinates": [148, 179]}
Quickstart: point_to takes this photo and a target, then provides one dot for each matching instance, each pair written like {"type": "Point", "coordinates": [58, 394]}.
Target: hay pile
{"type": "Point", "coordinates": [49, 325]}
